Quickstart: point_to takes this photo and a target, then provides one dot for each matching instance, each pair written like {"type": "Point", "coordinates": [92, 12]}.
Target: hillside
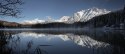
{"type": "Point", "coordinates": [111, 20]}
{"type": "Point", "coordinates": [6, 24]}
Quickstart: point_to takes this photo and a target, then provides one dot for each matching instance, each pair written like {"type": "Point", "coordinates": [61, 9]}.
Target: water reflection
{"type": "Point", "coordinates": [61, 42]}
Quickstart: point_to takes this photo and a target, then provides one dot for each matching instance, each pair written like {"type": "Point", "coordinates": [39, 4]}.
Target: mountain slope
{"type": "Point", "coordinates": [80, 16]}
{"type": "Point", "coordinates": [85, 15]}
{"type": "Point", "coordinates": [112, 20]}
{"type": "Point", "coordinates": [5, 24]}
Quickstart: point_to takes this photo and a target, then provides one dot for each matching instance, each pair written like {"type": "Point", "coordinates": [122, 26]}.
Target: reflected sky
{"type": "Point", "coordinates": [82, 40]}
{"type": "Point", "coordinates": [65, 44]}
{"type": "Point", "coordinates": [29, 42]}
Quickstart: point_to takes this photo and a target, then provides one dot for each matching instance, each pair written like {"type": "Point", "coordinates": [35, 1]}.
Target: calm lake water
{"type": "Point", "coordinates": [62, 42]}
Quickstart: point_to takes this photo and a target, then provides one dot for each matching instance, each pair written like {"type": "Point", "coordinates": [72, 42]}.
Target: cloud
{"type": "Point", "coordinates": [36, 20]}
{"type": "Point", "coordinates": [49, 20]}
{"type": "Point", "coordinates": [33, 21]}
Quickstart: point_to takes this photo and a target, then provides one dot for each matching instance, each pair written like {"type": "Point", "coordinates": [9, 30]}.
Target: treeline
{"type": "Point", "coordinates": [5, 24]}
{"type": "Point", "coordinates": [58, 25]}
{"type": "Point", "coordinates": [8, 26]}
{"type": "Point", "coordinates": [113, 19]}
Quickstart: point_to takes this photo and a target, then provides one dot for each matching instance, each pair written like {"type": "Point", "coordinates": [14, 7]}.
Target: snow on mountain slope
{"type": "Point", "coordinates": [64, 18]}
{"type": "Point", "coordinates": [84, 40]}
{"type": "Point", "coordinates": [82, 16]}
{"type": "Point", "coordinates": [87, 14]}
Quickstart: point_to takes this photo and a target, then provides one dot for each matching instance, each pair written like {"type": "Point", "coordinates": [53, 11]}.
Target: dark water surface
{"type": "Point", "coordinates": [62, 42]}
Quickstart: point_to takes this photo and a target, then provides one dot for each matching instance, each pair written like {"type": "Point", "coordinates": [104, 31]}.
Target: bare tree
{"type": "Point", "coordinates": [10, 7]}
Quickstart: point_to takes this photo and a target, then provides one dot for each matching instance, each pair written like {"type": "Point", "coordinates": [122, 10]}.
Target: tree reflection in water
{"type": "Point", "coordinates": [9, 42]}
{"type": "Point", "coordinates": [4, 39]}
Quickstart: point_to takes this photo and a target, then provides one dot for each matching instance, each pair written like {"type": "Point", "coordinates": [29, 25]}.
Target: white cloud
{"type": "Point", "coordinates": [33, 21]}
{"type": "Point", "coordinates": [36, 20]}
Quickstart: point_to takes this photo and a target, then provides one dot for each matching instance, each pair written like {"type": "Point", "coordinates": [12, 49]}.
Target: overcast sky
{"type": "Point", "coordinates": [32, 9]}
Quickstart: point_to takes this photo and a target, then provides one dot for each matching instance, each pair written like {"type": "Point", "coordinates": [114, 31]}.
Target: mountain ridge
{"type": "Point", "coordinates": [82, 16]}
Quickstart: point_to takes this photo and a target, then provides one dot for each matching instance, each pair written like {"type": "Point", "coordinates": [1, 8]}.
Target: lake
{"type": "Point", "coordinates": [62, 42]}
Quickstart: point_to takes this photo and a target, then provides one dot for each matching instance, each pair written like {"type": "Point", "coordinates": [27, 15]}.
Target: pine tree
{"type": "Point", "coordinates": [124, 10]}
{"type": "Point", "coordinates": [124, 7]}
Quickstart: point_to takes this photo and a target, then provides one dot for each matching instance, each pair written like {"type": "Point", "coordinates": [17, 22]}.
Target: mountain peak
{"type": "Point", "coordinates": [82, 16]}
{"type": "Point", "coordinates": [64, 18]}
{"type": "Point", "coordinates": [87, 14]}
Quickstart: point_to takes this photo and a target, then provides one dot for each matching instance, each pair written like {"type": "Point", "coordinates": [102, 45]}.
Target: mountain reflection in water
{"type": "Point", "coordinates": [61, 42]}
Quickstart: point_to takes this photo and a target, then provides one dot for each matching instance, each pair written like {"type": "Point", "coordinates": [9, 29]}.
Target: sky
{"type": "Point", "coordinates": [41, 9]}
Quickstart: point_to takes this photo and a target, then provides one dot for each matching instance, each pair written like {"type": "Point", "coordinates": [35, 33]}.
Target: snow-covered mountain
{"type": "Point", "coordinates": [87, 14]}
{"type": "Point", "coordinates": [64, 18]}
{"type": "Point", "coordinates": [82, 16]}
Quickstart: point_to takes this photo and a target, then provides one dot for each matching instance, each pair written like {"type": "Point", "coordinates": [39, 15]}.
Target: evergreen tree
{"type": "Point", "coordinates": [124, 7]}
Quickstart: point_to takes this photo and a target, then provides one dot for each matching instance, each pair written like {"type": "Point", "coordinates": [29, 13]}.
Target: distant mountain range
{"type": "Point", "coordinates": [4, 24]}
{"type": "Point", "coordinates": [84, 15]}
{"type": "Point", "coordinates": [91, 18]}
{"type": "Point", "coordinates": [80, 16]}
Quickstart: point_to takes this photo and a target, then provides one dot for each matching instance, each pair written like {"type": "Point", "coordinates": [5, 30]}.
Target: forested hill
{"type": "Point", "coordinates": [111, 20]}
{"type": "Point", "coordinates": [6, 24]}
